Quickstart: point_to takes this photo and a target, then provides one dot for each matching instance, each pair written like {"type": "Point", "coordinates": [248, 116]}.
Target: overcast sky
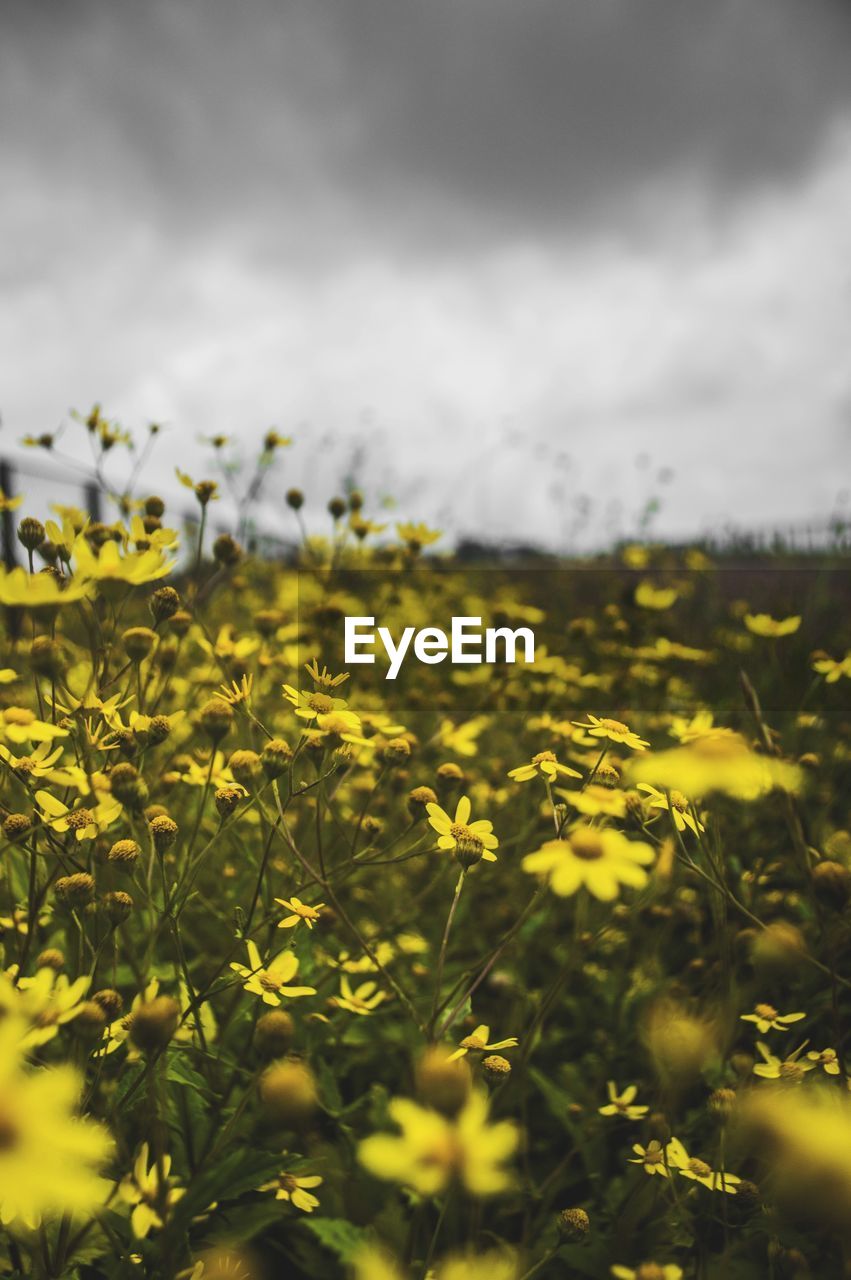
{"type": "Point", "coordinates": [494, 257]}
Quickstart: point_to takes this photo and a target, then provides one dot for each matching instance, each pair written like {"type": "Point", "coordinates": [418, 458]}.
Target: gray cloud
{"type": "Point", "coordinates": [446, 122]}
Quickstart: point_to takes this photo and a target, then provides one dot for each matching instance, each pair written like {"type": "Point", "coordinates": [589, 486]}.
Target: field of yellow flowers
{"type": "Point", "coordinates": [486, 973]}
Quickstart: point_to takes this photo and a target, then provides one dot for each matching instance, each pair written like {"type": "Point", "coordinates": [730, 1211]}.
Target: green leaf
{"type": "Point", "coordinates": [341, 1237]}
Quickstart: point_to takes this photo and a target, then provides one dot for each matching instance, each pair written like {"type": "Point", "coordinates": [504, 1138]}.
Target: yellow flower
{"type": "Point", "coordinates": [601, 860]}
{"type": "Point", "coordinates": [289, 1186]}
{"type": "Point", "coordinates": [86, 823]}
{"type": "Point", "coordinates": [38, 764]}
{"type": "Point", "coordinates": [649, 597]}
{"type": "Point", "coordinates": [697, 1170]}
{"type": "Point", "coordinates": [762, 624]}
{"type": "Point", "coordinates": [596, 799]}
{"type": "Point", "coordinates": [613, 731]}
{"type": "Point", "coordinates": [648, 1271]}
{"type": "Point", "coordinates": [364, 1000]}
{"type": "Point", "coordinates": [234, 693]}
{"type": "Point", "coordinates": [38, 590]}
{"type": "Point", "coordinates": [109, 565]}
{"type": "Point", "coordinates": [452, 830]}
{"type": "Point", "coordinates": [827, 1059]}
{"type": "Point", "coordinates": [716, 762]}
{"type": "Point", "coordinates": [432, 1150]}
{"type": "Point", "coordinates": [270, 982]}
{"type": "Point", "coordinates": [9, 503]}
{"type": "Point", "coordinates": [147, 1193]}
{"type": "Point", "coordinates": [312, 706]}
{"type": "Point", "coordinates": [49, 1156]}
{"type": "Point", "coordinates": [790, 1070]}
{"type": "Point", "coordinates": [300, 912]}
{"type": "Point", "coordinates": [623, 1104]}
{"type": "Point", "coordinates": [676, 802]}
{"type": "Point", "coordinates": [651, 1158]}
{"type": "Point", "coordinates": [48, 1001]}
{"type": "Point", "coordinates": [544, 764]}
{"type": "Point", "coordinates": [767, 1018]}
{"type": "Point", "coordinates": [479, 1042]}
{"type": "Point", "coordinates": [417, 536]}
{"type": "Point", "coordinates": [833, 670]}
{"type": "Point", "coordinates": [20, 725]}
{"type": "Point", "coordinates": [462, 739]}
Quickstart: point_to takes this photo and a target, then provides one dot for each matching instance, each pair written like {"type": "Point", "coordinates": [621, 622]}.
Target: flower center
{"type": "Point", "coordinates": [653, 1154]}
{"type": "Point", "coordinates": [586, 845]}
{"type": "Point", "coordinates": [791, 1071]}
{"type": "Point", "coordinates": [460, 831]}
{"type": "Point", "coordinates": [8, 1134]}
{"type": "Point", "coordinates": [472, 1042]}
{"type": "Point", "coordinates": [544, 757]}
{"type": "Point", "coordinates": [288, 1182]}
{"type": "Point", "coordinates": [268, 982]}
{"type": "Point", "coordinates": [614, 726]}
{"type": "Point", "coordinates": [320, 703]}
{"type": "Point", "coordinates": [700, 1167]}
{"type": "Point", "coordinates": [678, 801]}
{"type": "Point", "coordinates": [649, 1271]}
{"type": "Point", "coordinates": [79, 819]}
{"type": "Point", "coordinates": [766, 1011]}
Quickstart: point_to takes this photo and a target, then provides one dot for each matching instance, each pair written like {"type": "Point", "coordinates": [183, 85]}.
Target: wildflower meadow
{"type": "Point", "coordinates": [490, 971]}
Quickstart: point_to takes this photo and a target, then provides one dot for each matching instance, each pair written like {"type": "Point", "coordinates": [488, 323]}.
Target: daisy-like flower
{"type": "Point", "coordinates": [109, 565]}
{"type": "Point", "coordinates": [790, 1070]}
{"type": "Point", "coordinates": [462, 739]}
{"type": "Point", "coordinates": [648, 1271]}
{"type": "Point", "coordinates": [315, 704]}
{"type": "Point", "coordinates": [417, 536]}
{"type": "Point", "coordinates": [480, 1042]}
{"type": "Point", "coordinates": [235, 693]}
{"type": "Point", "coordinates": [298, 1190]}
{"type": "Point", "coordinates": [86, 823]}
{"type": "Point", "coordinates": [767, 1018]}
{"type": "Point", "coordinates": [648, 596]}
{"type": "Point", "coordinates": [762, 624]}
{"type": "Point", "coordinates": [38, 590]}
{"type": "Point", "coordinates": [271, 981]}
{"type": "Point", "coordinates": [38, 764]}
{"type": "Point", "coordinates": [544, 765]}
{"type": "Point", "coordinates": [49, 1155]}
{"type": "Point", "coordinates": [432, 1149]}
{"type": "Point", "coordinates": [601, 860]}
{"type": "Point", "coordinates": [827, 1059]}
{"type": "Point", "coordinates": [596, 799]}
{"type": "Point", "coordinates": [300, 912]}
{"type": "Point", "coordinates": [20, 725]}
{"type": "Point", "coordinates": [142, 1190]}
{"type": "Point", "coordinates": [833, 669]}
{"type": "Point", "coordinates": [460, 830]}
{"type": "Point", "coordinates": [697, 1170]}
{"type": "Point", "coordinates": [612, 731]}
{"type": "Point", "coordinates": [651, 1158]}
{"type": "Point", "coordinates": [623, 1104]}
{"type": "Point", "coordinates": [48, 1001]}
{"type": "Point", "coordinates": [674, 801]}
{"type": "Point", "coordinates": [364, 999]}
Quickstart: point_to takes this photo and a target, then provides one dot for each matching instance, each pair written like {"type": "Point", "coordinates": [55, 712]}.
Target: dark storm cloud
{"type": "Point", "coordinates": [443, 121]}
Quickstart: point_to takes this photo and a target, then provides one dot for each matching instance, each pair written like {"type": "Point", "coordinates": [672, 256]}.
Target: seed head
{"type": "Point", "coordinates": [154, 1023]}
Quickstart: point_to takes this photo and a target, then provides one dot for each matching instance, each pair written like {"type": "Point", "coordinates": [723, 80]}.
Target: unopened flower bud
{"type": "Point", "coordinates": [164, 603]}
{"type": "Point", "coordinates": [110, 1001]}
{"type": "Point", "coordinates": [227, 800]}
{"type": "Point", "coordinates": [216, 719]}
{"type": "Point", "coordinates": [274, 1033]}
{"type": "Point", "coordinates": [76, 890]}
{"type": "Point", "coordinates": [418, 799]}
{"type": "Point", "coordinates": [163, 831]}
{"type": "Point", "coordinates": [138, 642]}
{"type": "Point", "coordinates": [124, 854]}
{"type": "Point", "coordinates": [89, 1020]}
{"type": "Point", "coordinates": [117, 906]}
{"type": "Point", "coordinates": [245, 766]}
{"type": "Point", "coordinates": [495, 1066]}
{"type": "Point", "coordinates": [288, 1091]}
{"type": "Point", "coordinates": [153, 1023]}
{"type": "Point", "coordinates": [275, 757]}
{"type": "Point", "coordinates": [50, 958]}
{"type": "Point", "coordinates": [442, 1084]}
{"type": "Point", "coordinates": [31, 533]}
{"type": "Point", "coordinates": [16, 827]}
{"type": "Point", "coordinates": [573, 1225]}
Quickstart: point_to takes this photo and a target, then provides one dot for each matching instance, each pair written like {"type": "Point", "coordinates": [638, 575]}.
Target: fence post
{"type": "Point", "coordinates": [7, 522]}
{"type": "Point", "coordinates": [91, 492]}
